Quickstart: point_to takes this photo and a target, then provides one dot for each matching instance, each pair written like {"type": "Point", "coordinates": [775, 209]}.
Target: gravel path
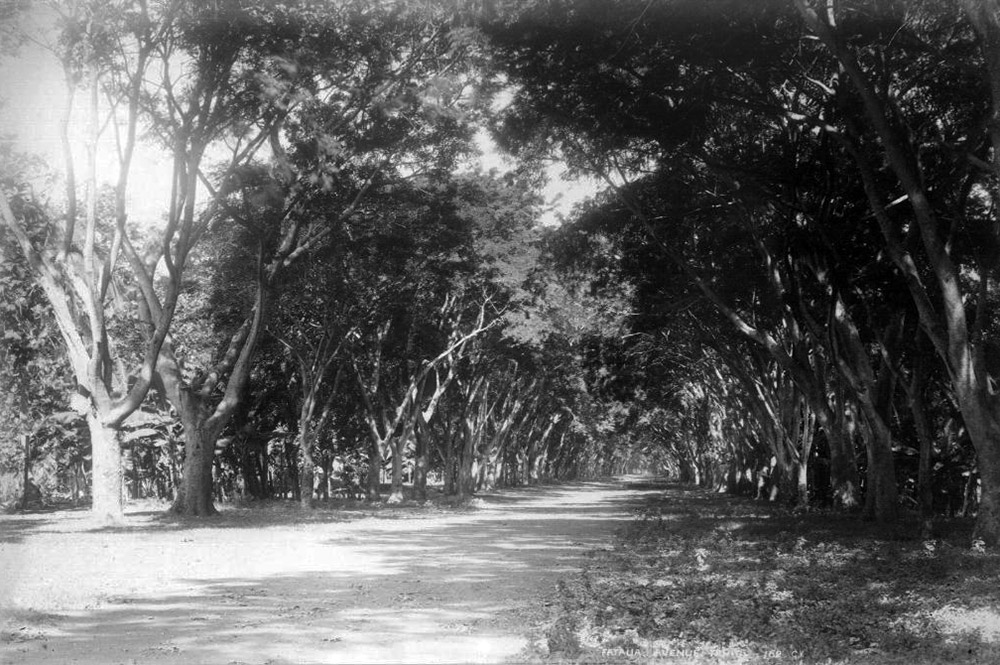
{"type": "Point", "coordinates": [258, 586]}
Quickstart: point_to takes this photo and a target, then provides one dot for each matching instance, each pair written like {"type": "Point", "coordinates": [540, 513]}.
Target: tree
{"type": "Point", "coordinates": [354, 98]}
{"type": "Point", "coordinates": [700, 149]}
{"type": "Point", "coordinates": [443, 276]}
{"type": "Point", "coordinates": [883, 137]}
{"type": "Point", "coordinates": [74, 273]}
{"type": "Point", "coordinates": [34, 375]}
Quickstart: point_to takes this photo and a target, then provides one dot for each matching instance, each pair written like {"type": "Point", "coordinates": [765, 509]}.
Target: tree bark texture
{"type": "Point", "coordinates": [195, 494]}
{"type": "Point", "coordinates": [106, 471]}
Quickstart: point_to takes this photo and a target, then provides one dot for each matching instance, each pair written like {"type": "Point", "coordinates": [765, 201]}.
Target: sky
{"type": "Point", "coordinates": [32, 94]}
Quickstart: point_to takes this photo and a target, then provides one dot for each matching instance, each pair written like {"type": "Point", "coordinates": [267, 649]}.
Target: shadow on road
{"type": "Point", "coordinates": [14, 530]}
{"type": "Point", "coordinates": [431, 586]}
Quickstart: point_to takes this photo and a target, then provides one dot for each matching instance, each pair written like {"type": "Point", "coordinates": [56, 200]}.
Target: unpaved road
{"type": "Point", "coordinates": [408, 585]}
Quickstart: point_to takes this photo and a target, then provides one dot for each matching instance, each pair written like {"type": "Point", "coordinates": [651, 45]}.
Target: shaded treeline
{"type": "Point", "coordinates": [804, 196]}
{"type": "Point", "coordinates": [784, 284]}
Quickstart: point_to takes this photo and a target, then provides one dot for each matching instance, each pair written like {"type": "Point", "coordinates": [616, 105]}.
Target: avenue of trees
{"type": "Point", "coordinates": [784, 284]}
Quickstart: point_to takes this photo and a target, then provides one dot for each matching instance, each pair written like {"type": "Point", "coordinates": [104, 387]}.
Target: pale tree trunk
{"type": "Point", "coordinates": [802, 477]}
{"type": "Point", "coordinates": [307, 470]}
{"type": "Point", "coordinates": [474, 413]}
{"type": "Point", "coordinates": [494, 469]}
{"type": "Point", "coordinates": [396, 447]}
{"type": "Point", "coordinates": [106, 471]}
{"type": "Point", "coordinates": [696, 474]}
{"type": "Point", "coordinates": [480, 472]}
{"type": "Point", "coordinates": [537, 450]}
{"type": "Point", "coordinates": [307, 476]}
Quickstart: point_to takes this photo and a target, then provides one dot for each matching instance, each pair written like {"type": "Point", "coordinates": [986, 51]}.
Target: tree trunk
{"type": "Point", "coordinates": [925, 494]}
{"type": "Point", "coordinates": [479, 471]}
{"type": "Point", "coordinates": [979, 407]}
{"type": "Point", "coordinates": [494, 470]}
{"type": "Point", "coordinates": [307, 475]}
{"type": "Point", "coordinates": [291, 475]}
{"type": "Point", "coordinates": [466, 481]}
{"type": "Point", "coordinates": [808, 434]}
{"type": "Point", "coordinates": [802, 482]}
{"type": "Point", "coordinates": [881, 500]}
{"type": "Point", "coordinates": [420, 464]}
{"type": "Point", "coordinates": [26, 446]}
{"type": "Point", "coordinates": [396, 447]}
{"type": "Point", "coordinates": [194, 496]}
{"type": "Point", "coordinates": [844, 482]}
{"type": "Point", "coordinates": [374, 470]}
{"type": "Point", "coordinates": [106, 471]}
{"type": "Point", "coordinates": [450, 471]}
{"type": "Point", "coordinates": [77, 485]}
{"type": "Point", "coordinates": [984, 430]}
{"type": "Point", "coordinates": [326, 466]}
{"type": "Point", "coordinates": [249, 469]}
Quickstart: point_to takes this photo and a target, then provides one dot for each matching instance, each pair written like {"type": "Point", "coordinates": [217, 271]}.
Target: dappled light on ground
{"type": "Point", "coordinates": [709, 578]}
{"type": "Point", "coordinates": [427, 585]}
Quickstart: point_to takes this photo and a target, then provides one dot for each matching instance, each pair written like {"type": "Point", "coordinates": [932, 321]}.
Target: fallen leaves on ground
{"type": "Point", "coordinates": [707, 578]}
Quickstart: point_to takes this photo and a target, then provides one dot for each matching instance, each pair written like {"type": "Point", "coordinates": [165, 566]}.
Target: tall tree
{"type": "Point", "coordinates": [107, 51]}
{"type": "Point", "coordinates": [886, 136]}
{"type": "Point", "coordinates": [352, 98]}
{"type": "Point", "coordinates": [699, 136]}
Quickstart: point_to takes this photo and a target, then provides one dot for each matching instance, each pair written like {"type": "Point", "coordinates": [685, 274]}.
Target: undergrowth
{"type": "Point", "coordinates": [707, 578]}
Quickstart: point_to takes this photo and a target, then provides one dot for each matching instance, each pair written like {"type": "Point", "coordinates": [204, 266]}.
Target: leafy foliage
{"type": "Point", "coordinates": [34, 374]}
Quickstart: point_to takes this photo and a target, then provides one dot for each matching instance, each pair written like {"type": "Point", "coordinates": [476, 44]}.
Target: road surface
{"type": "Point", "coordinates": [271, 586]}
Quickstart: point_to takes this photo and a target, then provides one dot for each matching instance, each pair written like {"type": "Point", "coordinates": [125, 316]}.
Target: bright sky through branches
{"type": "Point", "coordinates": [32, 96]}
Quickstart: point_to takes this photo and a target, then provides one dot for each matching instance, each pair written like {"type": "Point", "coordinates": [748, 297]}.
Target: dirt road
{"type": "Point", "coordinates": [270, 586]}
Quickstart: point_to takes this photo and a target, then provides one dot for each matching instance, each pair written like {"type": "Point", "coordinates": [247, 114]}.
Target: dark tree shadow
{"type": "Point", "coordinates": [811, 585]}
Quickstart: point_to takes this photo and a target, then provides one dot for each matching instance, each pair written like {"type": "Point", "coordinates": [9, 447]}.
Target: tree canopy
{"type": "Point", "coordinates": [784, 283]}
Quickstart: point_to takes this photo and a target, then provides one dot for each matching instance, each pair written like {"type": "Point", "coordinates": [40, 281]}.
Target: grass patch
{"type": "Point", "coordinates": [707, 578]}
